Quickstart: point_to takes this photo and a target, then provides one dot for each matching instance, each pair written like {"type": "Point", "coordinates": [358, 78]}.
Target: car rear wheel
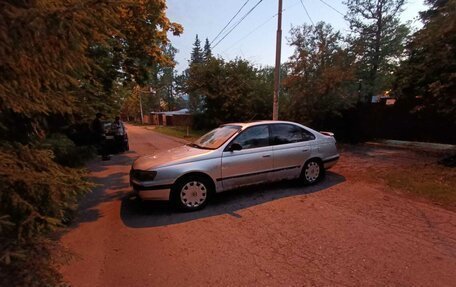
{"type": "Point", "coordinates": [191, 193]}
{"type": "Point", "coordinates": [312, 172]}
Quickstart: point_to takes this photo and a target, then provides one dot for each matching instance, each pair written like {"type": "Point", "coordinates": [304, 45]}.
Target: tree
{"type": "Point", "coordinates": [427, 79]}
{"type": "Point", "coordinates": [320, 75]}
{"type": "Point", "coordinates": [60, 60]}
{"type": "Point", "coordinates": [48, 53]}
{"type": "Point", "coordinates": [207, 53]}
{"type": "Point", "coordinates": [232, 91]}
{"type": "Point", "coordinates": [378, 39]}
{"type": "Point", "coordinates": [196, 56]}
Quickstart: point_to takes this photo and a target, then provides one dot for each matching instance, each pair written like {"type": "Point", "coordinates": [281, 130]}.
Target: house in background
{"type": "Point", "coordinates": [173, 118]}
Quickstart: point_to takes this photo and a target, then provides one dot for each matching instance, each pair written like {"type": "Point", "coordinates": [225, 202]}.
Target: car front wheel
{"type": "Point", "coordinates": [312, 172]}
{"type": "Point", "coordinates": [191, 193]}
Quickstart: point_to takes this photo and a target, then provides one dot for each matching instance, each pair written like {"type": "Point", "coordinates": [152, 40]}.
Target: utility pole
{"type": "Point", "coordinates": [141, 108]}
{"type": "Point", "coordinates": [275, 107]}
{"type": "Point", "coordinates": [138, 89]}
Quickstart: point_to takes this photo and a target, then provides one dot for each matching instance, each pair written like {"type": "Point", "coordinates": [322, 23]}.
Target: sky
{"type": "Point", "coordinates": [254, 39]}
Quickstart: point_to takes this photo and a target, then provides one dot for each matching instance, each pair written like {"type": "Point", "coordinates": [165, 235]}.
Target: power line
{"type": "Point", "coordinates": [259, 26]}
{"type": "Point", "coordinates": [332, 7]}
{"type": "Point", "coordinates": [237, 24]}
{"type": "Point", "coordinates": [305, 9]}
{"type": "Point", "coordinates": [229, 22]}
{"type": "Point", "coordinates": [251, 32]}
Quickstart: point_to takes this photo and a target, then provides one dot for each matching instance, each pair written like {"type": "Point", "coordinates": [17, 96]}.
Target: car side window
{"type": "Point", "coordinates": [285, 134]}
{"type": "Point", "coordinates": [254, 137]}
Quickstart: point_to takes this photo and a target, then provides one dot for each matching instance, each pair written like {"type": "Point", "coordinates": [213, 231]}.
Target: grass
{"type": "Point", "coordinates": [180, 132]}
{"type": "Point", "coordinates": [434, 182]}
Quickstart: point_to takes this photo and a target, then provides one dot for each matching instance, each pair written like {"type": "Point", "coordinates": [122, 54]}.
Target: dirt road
{"type": "Point", "coordinates": [341, 232]}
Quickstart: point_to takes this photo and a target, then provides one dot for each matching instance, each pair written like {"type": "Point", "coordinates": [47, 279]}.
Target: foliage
{"type": "Point", "coordinates": [35, 265]}
{"type": "Point", "coordinates": [160, 93]}
{"type": "Point", "coordinates": [207, 52]}
{"type": "Point", "coordinates": [166, 90]}
{"type": "Point", "coordinates": [232, 91]}
{"type": "Point", "coordinates": [58, 56]}
{"type": "Point", "coordinates": [430, 181]}
{"type": "Point", "coordinates": [60, 62]}
{"type": "Point", "coordinates": [427, 78]}
{"type": "Point", "coordinates": [66, 152]}
{"type": "Point", "coordinates": [321, 74]}
{"type": "Point", "coordinates": [378, 40]}
{"type": "Point", "coordinates": [196, 57]}
{"type": "Point", "coordinates": [36, 196]}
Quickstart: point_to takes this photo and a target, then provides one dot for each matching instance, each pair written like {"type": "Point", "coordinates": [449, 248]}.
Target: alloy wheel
{"type": "Point", "coordinates": [193, 194]}
{"type": "Point", "coordinates": [312, 171]}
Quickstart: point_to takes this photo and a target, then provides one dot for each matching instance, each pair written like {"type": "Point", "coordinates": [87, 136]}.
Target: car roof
{"type": "Point", "coordinates": [249, 124]}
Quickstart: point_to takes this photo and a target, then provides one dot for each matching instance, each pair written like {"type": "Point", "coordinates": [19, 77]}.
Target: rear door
{"type": "Point", "coordinates": [292, 146]}
{"type": "Point", "coordinates": [251, 164]}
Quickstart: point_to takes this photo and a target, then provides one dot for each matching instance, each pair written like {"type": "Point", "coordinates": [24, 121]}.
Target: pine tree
{"type": "Point", "coordinates": [378, 39]}
{"type": "Point", "coordinates": [196, 56]}
{"type": "Point", "coordinates": [207, 53]}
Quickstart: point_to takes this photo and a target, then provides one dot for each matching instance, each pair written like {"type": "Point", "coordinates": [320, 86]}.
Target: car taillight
{"type": "Point", "coordinates": [330, 134]}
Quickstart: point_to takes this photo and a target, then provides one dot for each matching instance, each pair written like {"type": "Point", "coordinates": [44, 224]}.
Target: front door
{"type": "Point", "coordinates": [252, 163]}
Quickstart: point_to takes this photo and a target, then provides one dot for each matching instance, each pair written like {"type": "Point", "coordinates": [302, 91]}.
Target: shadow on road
{"type": "Point", "coordinates": [111, 183]}
{"type": "Point", "coordinates": [137, 214]}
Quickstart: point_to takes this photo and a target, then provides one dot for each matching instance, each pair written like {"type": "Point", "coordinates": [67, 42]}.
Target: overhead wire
{"type": "Point", "coordinates": [259, 26]}
{"type": "Point", "coordinates": [251, 32]}
{"type": "Point", "coordinates": [237, 23]}
{"type": "Point", "coordinates": [229, 22]}
{"type": "Point", "coordinates": [268, 20]}
{"type": "Point", "coordinates": [332, 7]}
{"type": "Point", "coordinates": [308, 15]}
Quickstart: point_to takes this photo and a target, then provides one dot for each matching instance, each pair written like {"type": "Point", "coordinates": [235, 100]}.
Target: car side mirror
{"type": "Point", "coordinates": [235, 146]}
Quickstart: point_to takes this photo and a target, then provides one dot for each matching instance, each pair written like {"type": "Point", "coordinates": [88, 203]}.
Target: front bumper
{"type": "Point", "coordinates": [157, 192]}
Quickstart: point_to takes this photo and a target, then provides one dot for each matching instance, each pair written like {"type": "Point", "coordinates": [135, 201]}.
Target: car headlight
{"type": "Point", "coordinates": [143, 175]}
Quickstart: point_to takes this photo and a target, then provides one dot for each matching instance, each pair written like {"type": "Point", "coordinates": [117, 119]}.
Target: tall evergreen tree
{"type": "Point", "coordinates": [207, 52]}
{"type": "Point", "coordinates": [378, 39]}
{"type": "Point", "coordinates": [196, 56]}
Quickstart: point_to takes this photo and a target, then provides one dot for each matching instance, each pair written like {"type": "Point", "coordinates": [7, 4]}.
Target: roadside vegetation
{"type": "Point", "coordinates": [434, 182]}
{"type": "Point", "coordinates": [62, 62]}
{"type": "Point", "coordinates": [331, 78]}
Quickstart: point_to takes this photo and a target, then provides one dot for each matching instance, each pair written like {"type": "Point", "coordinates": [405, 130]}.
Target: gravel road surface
{"type": "Point", "coordinates": [343, 231]}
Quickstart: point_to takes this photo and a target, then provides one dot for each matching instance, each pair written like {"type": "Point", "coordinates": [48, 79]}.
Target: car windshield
{"type": "Point", "coordinates": [215, 138]}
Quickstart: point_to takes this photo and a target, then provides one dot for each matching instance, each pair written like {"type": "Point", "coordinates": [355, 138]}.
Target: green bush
{"type": "Point", "coordinates": [66, 152]}
{"type": "Point", "coordinates": [37, 195]}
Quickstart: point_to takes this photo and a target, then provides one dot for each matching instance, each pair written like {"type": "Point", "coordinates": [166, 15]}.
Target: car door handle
{"type": "Point", "coordinates": [304, 150]}
{"type": "Point", "coordinates": [267, 155]}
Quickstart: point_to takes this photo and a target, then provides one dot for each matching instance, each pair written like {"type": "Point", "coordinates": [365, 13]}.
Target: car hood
{"type": "Point", "coordinates": [177, 155]}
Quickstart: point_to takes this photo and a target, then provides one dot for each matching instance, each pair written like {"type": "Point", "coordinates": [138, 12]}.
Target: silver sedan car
{"type": "Point", "coordinates": [232, 156]}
